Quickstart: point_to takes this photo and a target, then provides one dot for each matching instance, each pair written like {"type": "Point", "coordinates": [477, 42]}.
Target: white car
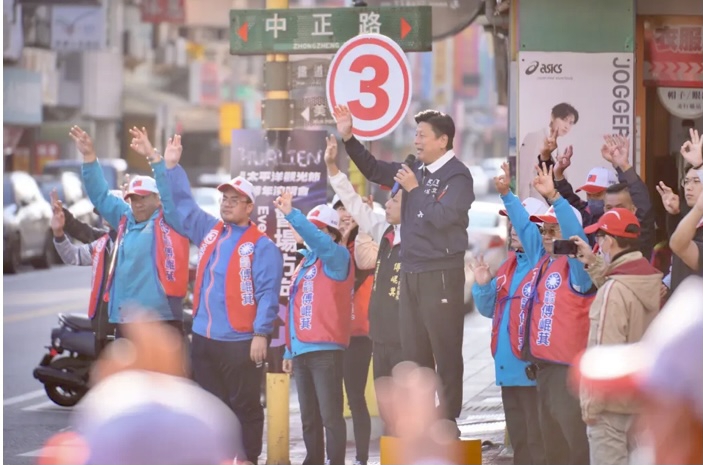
{"type": "Point", "coordinates": [209, 199]}
{"type": "Point", "coordinates": [488, 235]}
{"type": "Point", "coordinates": [481, 180]}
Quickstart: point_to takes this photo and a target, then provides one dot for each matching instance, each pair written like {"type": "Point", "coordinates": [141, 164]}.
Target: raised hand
{"type": "Point", "coordinates": [482, 272]}
{"type": "Point", "coordinates": [84, 144]}
{"type": "Point", "coordinates": [58, 219]}
{"type": "Point", "coordinates": [173, 151]}
{"type": "Point", "coordinates": [344, 121]}
{"type": "Point", "coordinates": [621, 152]}
{"type": "Point", "coordinates": [368, 201]}
{"type": "Point", "coordinates": [669, 199]}
{"type": "Point", "coordinates": [692, 150]}
{"type": "Point", "coordinates": [331, 155]}
{"type": "Point", "coordinates": [549, 145]}
{"type": "Point", "coordinates": [284, 203]}
{"type": "Point", "coordinates": [543, 182]}
{"type": "Point", "coordinates": [502, 181]}
{"type": "Point", "coordinates": [563, 162]}
{"type": "Point", "coordinates": [142, 145]}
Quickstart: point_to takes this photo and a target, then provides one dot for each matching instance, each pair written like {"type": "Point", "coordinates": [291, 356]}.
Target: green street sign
{"type": "Point", "coordinates": [324, 30]}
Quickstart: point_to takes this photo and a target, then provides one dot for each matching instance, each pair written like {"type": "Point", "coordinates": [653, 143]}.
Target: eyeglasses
{"type": "Point", "coordinates": [695, 180]}
{"type": "Point", "coordinates": [549, 231]}
{"type": "Point", "coordinates": [234, 201]}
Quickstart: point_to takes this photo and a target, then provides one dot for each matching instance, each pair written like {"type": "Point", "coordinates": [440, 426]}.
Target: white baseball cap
{"type": "Point", "coordinates": [533, 205]}
{"type": "Point", "coordinates": [240, 185]}
{"type": "Point", "coordinates": [336, 200]}
{"type": "Point", "coordinates": [551, 217]}
{"type": "Point", "coordinates": [598, 180]}
{"type": "Point", "coordinates": [141, 185]}
{"type": "Point", "coordinates": [324, 216]}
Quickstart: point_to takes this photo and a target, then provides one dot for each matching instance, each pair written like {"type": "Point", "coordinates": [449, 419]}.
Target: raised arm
{"type": "Point", "coordinates": [527, 231]}
{"type": "Point", "coordinates": [484, 288]}
{"type": "Point", "coordinates": [334, 257]}
{"type": "Point", "coordinates": [70, 254]}
{"type": "Point", "coordinates": [380, 172]}
{"type": "Point", "coordinates": [172, 181]}
{"type": "Point", "coordinates": [365, 252]}
{"type": "Point", "coordinates": [110, 207]}
{"type": "Point", "coordinates": [682, 243]}
{"type": "Point", "coordinates": [368, 220]}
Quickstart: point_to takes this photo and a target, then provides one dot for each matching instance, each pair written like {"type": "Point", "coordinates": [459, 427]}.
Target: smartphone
{"type": "Point", "coordinates": [564, 247]}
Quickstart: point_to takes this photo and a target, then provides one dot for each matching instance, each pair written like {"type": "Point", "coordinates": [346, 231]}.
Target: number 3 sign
{"type": "Point", "coordinates": [371, 75]}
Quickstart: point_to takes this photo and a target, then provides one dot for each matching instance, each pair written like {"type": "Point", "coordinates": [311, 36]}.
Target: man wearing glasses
{"type": "Point", "coordinates": [554, 319]}
{"type": "Point", "coordinates": [235, 297]}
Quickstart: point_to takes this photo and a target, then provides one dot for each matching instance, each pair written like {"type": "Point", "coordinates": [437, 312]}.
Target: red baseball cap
{"type": "Point", "coordinates": [615, 223]}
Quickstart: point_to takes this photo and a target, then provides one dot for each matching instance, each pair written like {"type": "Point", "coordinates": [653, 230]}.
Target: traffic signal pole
{"type": "Point", "coordinates": [276, 121]}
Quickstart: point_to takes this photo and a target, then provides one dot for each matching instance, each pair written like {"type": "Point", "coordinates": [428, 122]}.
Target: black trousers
{"type": "Point", "coordinates": [385, 357]}
{"type": "Point", "coordinates": [520, 404]}
{"type": "Point", "coordinates": [318, 377]}
{"type": "Point", "coordinates": [432, 329]}
{"type": "Point", "coordinates": [357, 359]}
{"type": "Point", "coordinates": [563, 429]}
{"type": "Point", "coordinates": [225, 369]}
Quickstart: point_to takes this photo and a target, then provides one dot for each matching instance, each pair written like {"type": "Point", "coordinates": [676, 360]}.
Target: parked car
{"type": "Point", "coordinates": [113, 168]}
{"type": "Point", "coordinates": [69, 188]}
{"type": "Point", "coordinates": [26, 217]}
{"type": "Point", "coordinates": [481, 180]}
{"type": "Point", "coordinates": [488, 234]}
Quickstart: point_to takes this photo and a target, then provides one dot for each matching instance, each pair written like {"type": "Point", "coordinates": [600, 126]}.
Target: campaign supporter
{"type": "Point", "coordinates": [437, 195]}
{"type": "Point", "coordinates": [554, 316]}
{"type": "Point", "coordinates": [662, 374]}
{"type": "Point", "coordinates": [627, 301]}
{"type": "Point", "coordinates": [500, 298]}
{"type": "Point", "coordinates": [604, 191]}
{"type": "Point", "coordinates": [151, 268]}
{"type": "Point", "coordinates": [357, 357]}
{"type": "Point", "coordinates": [319, 329]}
{"type": "Point", "coordinates": [235, 295]}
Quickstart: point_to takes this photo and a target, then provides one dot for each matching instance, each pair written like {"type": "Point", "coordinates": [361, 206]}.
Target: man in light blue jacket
{"type": "Point", "coordinates": [519, 393]}
{"type": "Point", "coordinates": [318, 329]}
{"type": "Point", "coordinates": [151, 270]}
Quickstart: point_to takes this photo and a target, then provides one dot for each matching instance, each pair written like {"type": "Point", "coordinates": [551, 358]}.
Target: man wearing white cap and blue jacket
{"type": "Point", "coordinates": [500, 298]}
{"type": "Point", "coordinates": [235, 295]}
{"type": "Point", "coordinates": [319, 329]}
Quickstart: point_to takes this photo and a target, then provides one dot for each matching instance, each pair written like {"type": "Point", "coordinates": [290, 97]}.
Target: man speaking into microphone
{"type": "Point", "coordinates": [437, 194]}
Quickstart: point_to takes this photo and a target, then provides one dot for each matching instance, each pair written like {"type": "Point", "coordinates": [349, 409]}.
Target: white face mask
{"type": "Point", "coordinates": [603, 253]}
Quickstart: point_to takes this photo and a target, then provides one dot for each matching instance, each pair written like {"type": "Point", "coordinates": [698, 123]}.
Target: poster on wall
{"type": "Point", "coordinates": [581, 96]}
{"type": "Point", "coordinates": [294, 164]}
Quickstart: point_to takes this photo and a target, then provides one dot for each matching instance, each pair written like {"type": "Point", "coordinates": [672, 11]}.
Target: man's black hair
{"type": "Point", "coordinates": [617, 188]}
{"type": "Point", "coordinates": [442, 124]}
{"type": "Point", "coordinates": [563, 110]}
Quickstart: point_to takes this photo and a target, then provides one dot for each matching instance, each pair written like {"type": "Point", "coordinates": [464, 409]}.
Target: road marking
{"type": "Point", "coordinates": [53, 310]}
{"type": "Point", "coordinates": [32, 453]}
{"type": "Point", "coordinates": [46, 405]}
{"type": "Point", "coordinates": [23, 397]}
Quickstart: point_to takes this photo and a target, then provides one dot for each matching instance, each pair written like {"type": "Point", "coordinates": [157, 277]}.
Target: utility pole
{"type": "Point", "coordinates": [276, 121]}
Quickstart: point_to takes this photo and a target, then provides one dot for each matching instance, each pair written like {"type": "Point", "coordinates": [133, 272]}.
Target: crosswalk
{"type": "Point", "coordinates": [34, 401]}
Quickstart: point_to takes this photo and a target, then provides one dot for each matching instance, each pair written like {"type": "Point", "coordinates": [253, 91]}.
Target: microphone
{"type": "Point", "coordinates": [408, 161]}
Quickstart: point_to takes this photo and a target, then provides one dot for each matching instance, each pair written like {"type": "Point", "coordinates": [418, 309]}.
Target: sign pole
{"type": "Point", "coordinates": [277, 103]}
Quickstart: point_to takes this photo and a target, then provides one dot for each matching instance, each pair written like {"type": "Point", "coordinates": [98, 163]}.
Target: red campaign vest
{"type": "Point", "coordinates": [171, 258]}
{"type": "Point", "coordinates": [518, 303]}
{"type": "Point", "coordinates": [559, 321]}
{"type": "Point", "coordinates": [322, 307]}
{"type": "Point", "coordinates": [239, 288]}
{"type": "Point", "coordinates": [98, 270]}
{"type": "Point", "coordinates": [360, 308]}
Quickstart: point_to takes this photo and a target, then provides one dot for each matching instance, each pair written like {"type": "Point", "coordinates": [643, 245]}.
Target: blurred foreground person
{"type": "Point", "coordinates": [142, 410]}
{"type": "Point", "coordinates": [664, 372]}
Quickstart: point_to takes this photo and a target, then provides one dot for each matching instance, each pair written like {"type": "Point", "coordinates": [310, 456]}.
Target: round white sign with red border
{"type": "Point", "coordinates": [370, 74]}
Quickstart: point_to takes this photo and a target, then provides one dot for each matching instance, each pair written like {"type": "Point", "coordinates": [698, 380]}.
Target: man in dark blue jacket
{"type": "Point", "coordinates": [437, 194]}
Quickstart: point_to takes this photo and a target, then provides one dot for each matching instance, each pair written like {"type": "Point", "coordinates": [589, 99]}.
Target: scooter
{"type": "Point", "coordinates": [65, 369]}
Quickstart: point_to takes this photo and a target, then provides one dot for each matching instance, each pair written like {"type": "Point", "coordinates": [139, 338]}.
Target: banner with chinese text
{"type": "Point", "coordinates": [295, 164]}
{"type": "Point", "coordinates": [673, 51]}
